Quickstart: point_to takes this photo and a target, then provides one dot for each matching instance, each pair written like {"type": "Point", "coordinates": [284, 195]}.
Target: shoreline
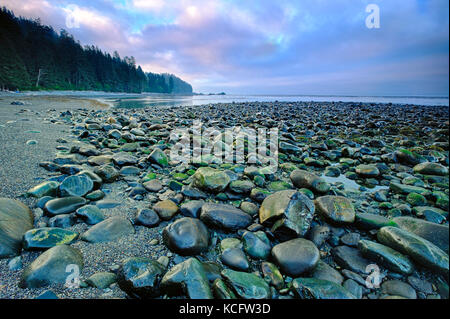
{"type": "Point", "coordinates": [305, 129]}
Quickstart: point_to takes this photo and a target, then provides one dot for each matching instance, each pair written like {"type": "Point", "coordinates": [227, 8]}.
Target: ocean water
{"type": "Point", "coordinates": [149, 100]}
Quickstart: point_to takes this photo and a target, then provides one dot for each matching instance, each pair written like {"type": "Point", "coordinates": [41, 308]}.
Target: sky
{"type": "Point", "coordinates": [309, 47]}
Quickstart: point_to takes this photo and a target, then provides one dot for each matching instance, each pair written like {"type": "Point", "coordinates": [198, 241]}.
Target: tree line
{"type": "Point", "coordinates": [36, 57]}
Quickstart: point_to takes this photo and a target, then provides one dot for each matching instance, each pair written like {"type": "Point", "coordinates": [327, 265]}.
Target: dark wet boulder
{"type": "Point", "coordinates": [296, 256]}
{"type": "Point", "coordinates": [187, 278]}
{"type": "Point", "coordinates": [64, 205]}
{"type": "Point", "coordinates": [186, 236]}
{"type": "Point", "coordinates": [15, 220]}
{"type": "Point", "coordinates": [419, 249]}
{"type": "Point", "coordinates": [140, 277]}
{"type": "Point", "coordinates": [225, 217]}
{"type": "Point", "coordinates": [76, 185]}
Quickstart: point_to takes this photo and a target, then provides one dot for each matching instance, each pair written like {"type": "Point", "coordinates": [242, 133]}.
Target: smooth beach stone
{"type": "Point", "coordinates": [435, 233]}
{"type": "Point", "coordinates": [153, 185]}
{"type": "Point", "coordinates": [123, 158]}
{"type": "Point", "coordinates": [296, 256]}
{"type": "Point", "coordinates": [312, 288]}
{"type": "Point", "coordinates": [157, 156]}
{"type": "Point", "coordinates": [15, 220]}
{"type": "Point", "coordinates": [48, 188]}
{"type": "Point", "coordinates": [225, 217]}
{"type": "Point", "coordinates": [241, 186]}
{"type": "Point", "coordinates": [367, 170]}
{"type": "Point", "coordinates": [108, 230]}
{"type": "Point", "coordinates": [95, 195]}
{"type": "Point", "coordinates": [147, 217]}
{"type": "Point", "coordinates": [107, 173]}
{"type": "Point", "coordinates": [369, 221]}
{"type": "Point", "coordinates": [350, 258]}
{"type": "Point", "coordinates": [51, 267]}
{"type": "Point", "coordinates": [100, 160]}
{"type": "Point", "coordinates": [107, 203]}
{"type": "Point", "coordinates": [140, 277]}
{"type": "Point", "coordinates": [256, 244]}
{"type": "Point", "coordinates": [101, 280]}
{"type": "Point", "coordinates": [187, 278]}
{"type": "Point", "coordinates": [386, 256]}
{"type": "Point", "coordinates": [272, 275]}
{"type": "Point", "coordinates": [64, 205]}
{"type": "Point", "coordinates": [90, 214]}
{"type": "Point", "coordinates": [46, 237]}
{"type": "Point", "coordinates": [210, 179]}
{"type": "Point", "coordinates": [326, 272]}
{"type": "Point", "coordinates": [428, 168]}
{"type": "Point", "coordinates": [290, 211]}
{"type": "Point", "coordinates": [221, 290]}
{"type": "Point", "coordinates": [166, 209]}
{"type": "Point", "coordinates": [94, 178]}
{"type": "Point", "coordinates": [406, 189]}
{"type": "Point", "coordinates": [304, 179]}
{"type": "Point", "coordinates": [350, 239]}
{"type": "Point", "coordinates": [43, 200]}
{"type": "Point", "coordinates": [246, 285]}
{"type": "Point", "coordinates": [336, 209]}
{"type": "Point", "coordinates": [419, 249]}
{"type": "Point", "coordinates": [129, 170]}
{"type": "Point", "coordinates": [235, 259]}
{"type": "Point", "coordinates": [398, 288]}
{"type": "Point", "coordinates": [76, 185]}
{"type": "Point", "coordinates": [192, 208]}
{"type": "Point", "coordinates": [193, 193]}
{"type": "Point", "coordinates": [186, 236]}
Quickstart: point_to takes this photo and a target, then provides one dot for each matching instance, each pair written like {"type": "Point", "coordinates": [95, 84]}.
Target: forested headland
{"type": "Point", "coordinates": [36, 57]}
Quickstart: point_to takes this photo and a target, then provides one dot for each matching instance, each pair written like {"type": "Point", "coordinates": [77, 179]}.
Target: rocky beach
{"type": "Point", "coordinates": [93, 205]}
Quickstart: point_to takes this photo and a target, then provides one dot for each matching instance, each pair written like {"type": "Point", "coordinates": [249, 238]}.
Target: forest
{"type": "Point", "coordinates": [36, 57]}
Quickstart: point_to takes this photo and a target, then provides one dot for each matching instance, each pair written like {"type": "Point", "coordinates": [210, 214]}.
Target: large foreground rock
{"type": "Point", "coordinates": [296, 256]}
{"type": "Point", "coordinates": [428, 168]}
{"type": "Point", "coordinates": [290, 211]}
{"type": "Point", "coordinates": [15, 220]}
{"type": "Point", "coordinates": [140, 277]}
{"type": "Point", "coordinates": [51, 266]}
{"type": "Point", "coordinates": [108, 230]}
{"type": "Point", "coordinates": [186, 236]}
{"type": "Point", "coordinates": [225, 217]}
{"type": "Point", "coordinates": [419, 249]}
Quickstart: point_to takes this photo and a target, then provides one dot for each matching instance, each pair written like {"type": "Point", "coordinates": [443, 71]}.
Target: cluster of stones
{"type": "Point", "coordinates": [243, 231]}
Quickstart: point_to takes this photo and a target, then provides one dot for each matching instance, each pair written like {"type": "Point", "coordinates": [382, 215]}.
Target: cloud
{"type": "Point", "coordinates": [262, 46]}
